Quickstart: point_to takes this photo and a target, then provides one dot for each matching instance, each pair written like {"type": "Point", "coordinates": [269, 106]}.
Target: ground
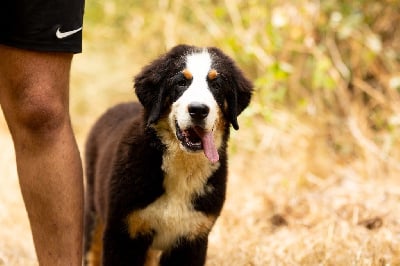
{"type": "Point", "coordinates": [277, 211]}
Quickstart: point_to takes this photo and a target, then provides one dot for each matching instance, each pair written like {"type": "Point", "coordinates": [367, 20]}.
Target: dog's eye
{"type": "Point", "coordinates": [183, 83]}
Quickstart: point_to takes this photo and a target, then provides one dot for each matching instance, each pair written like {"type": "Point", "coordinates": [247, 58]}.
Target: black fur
{"type": "Point", "coordinates": [124, 157]}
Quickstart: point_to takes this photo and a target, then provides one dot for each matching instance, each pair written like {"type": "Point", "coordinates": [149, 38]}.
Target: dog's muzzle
{"type": "Point", "coordinates": [196, 137]}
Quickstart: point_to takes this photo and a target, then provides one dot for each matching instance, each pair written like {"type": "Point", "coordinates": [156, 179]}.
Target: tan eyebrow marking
{"type": "Point", "coordinates": [212, 74]}
{"type": "Point", "coordinates": [186, 73]}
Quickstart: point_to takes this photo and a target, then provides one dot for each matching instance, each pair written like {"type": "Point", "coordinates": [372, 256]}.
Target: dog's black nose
{"type": "Point", "coordinates": [198, 110]}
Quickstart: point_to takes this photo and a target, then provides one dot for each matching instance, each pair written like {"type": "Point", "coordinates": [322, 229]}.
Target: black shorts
{"type": "Point", "coordinates": [42, 25]}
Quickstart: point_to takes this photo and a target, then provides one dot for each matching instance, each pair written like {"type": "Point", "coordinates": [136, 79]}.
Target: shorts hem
{"type": "Point", "coordinates": [44, 47]}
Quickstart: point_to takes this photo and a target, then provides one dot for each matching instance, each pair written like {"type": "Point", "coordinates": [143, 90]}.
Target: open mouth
{"type": "Point", "coordinates": [197, 138]}
{"type": "Point", "coordinates": [189, 138]}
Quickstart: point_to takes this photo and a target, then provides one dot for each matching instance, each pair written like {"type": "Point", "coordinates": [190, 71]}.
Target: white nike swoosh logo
{"type": "Point", "coordinates": [62, 35]}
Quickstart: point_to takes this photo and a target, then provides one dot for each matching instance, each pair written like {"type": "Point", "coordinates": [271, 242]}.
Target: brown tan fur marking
{"type": "Point", "coordinates": [93, 256]}
{"type": "Point", "coordinates": [202, 229]}
{"type": "Point", "coordinates": [212, 74]}
{"type": "Point", "coordinates": [136, 225]}
{"type": "Point", "coordinates": [152, 257]}
{"type": "Point", "coordinates": [187, 74]}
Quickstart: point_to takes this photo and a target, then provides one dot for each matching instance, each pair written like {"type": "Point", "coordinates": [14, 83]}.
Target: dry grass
{"type": "Point", "coordinates": [314, 169]}
{"type": "Point", "coordinates": [289, 202]}
{"type": "Point", "coordinates": [16, 246]}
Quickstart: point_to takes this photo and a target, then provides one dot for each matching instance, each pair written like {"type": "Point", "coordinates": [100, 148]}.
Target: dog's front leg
{"type": "Point", "coordinates": [120, 249]}
{"type": "Point", "coordinates": [186, 253]}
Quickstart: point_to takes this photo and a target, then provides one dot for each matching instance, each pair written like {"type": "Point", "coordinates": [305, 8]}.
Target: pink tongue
{"type": "Point", "coordinates": [208, 144]}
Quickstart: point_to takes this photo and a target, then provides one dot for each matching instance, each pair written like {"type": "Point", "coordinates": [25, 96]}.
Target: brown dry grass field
{"type": "Point", "coordinates": [314, 172]}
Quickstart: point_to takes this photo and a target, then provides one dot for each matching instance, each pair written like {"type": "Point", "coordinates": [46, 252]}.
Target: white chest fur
{"type": "Point", "coordinates": [172, 215]}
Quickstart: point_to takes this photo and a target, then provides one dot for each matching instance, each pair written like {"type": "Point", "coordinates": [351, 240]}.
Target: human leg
{"type": "Point", "coordinates": [34, 92]}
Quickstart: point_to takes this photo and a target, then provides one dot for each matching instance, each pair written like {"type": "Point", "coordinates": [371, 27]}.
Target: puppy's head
{"type": "Point", "coordinates": [199, 91]}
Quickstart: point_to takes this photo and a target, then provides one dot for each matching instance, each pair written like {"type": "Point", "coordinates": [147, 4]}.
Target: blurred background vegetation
{"type": "Point", "coordinates": [330, 67]}
{"type": "Point", "coordinates": [315, 166]}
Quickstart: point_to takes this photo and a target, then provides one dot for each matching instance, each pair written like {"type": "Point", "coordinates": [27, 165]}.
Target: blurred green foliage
{"type": "Point", "coordinates": [317, 59]}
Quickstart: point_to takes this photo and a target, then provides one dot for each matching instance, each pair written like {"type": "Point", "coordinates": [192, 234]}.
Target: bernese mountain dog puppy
{"type": "Point", "coordinates": [156, 171]}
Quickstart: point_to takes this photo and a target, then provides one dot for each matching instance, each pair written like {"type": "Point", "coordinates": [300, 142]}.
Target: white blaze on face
{"type": "Point", "coordinates": [198, 64]}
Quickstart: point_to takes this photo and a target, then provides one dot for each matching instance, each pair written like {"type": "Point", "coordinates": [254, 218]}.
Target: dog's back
{"type": "Point", "coordinates": [112, 123]}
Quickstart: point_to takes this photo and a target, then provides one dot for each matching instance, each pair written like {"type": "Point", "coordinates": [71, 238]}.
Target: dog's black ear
{"type": "Point", "coordinates": [150, 89]}
{"type": "Point", "coordinates": [151, 83]}
{"type": "Point", "coordinates": [237, 87]}
{"type": "Point", "coordinates": [239, 95]}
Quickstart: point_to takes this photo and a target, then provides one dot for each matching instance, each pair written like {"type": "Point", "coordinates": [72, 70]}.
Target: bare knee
{"type": "Point", "coordinates": [34, 91]}
{"type": "Point", "coordinates": [36, 112]}
{"type": "Point", "coordinates": [41, 114]}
